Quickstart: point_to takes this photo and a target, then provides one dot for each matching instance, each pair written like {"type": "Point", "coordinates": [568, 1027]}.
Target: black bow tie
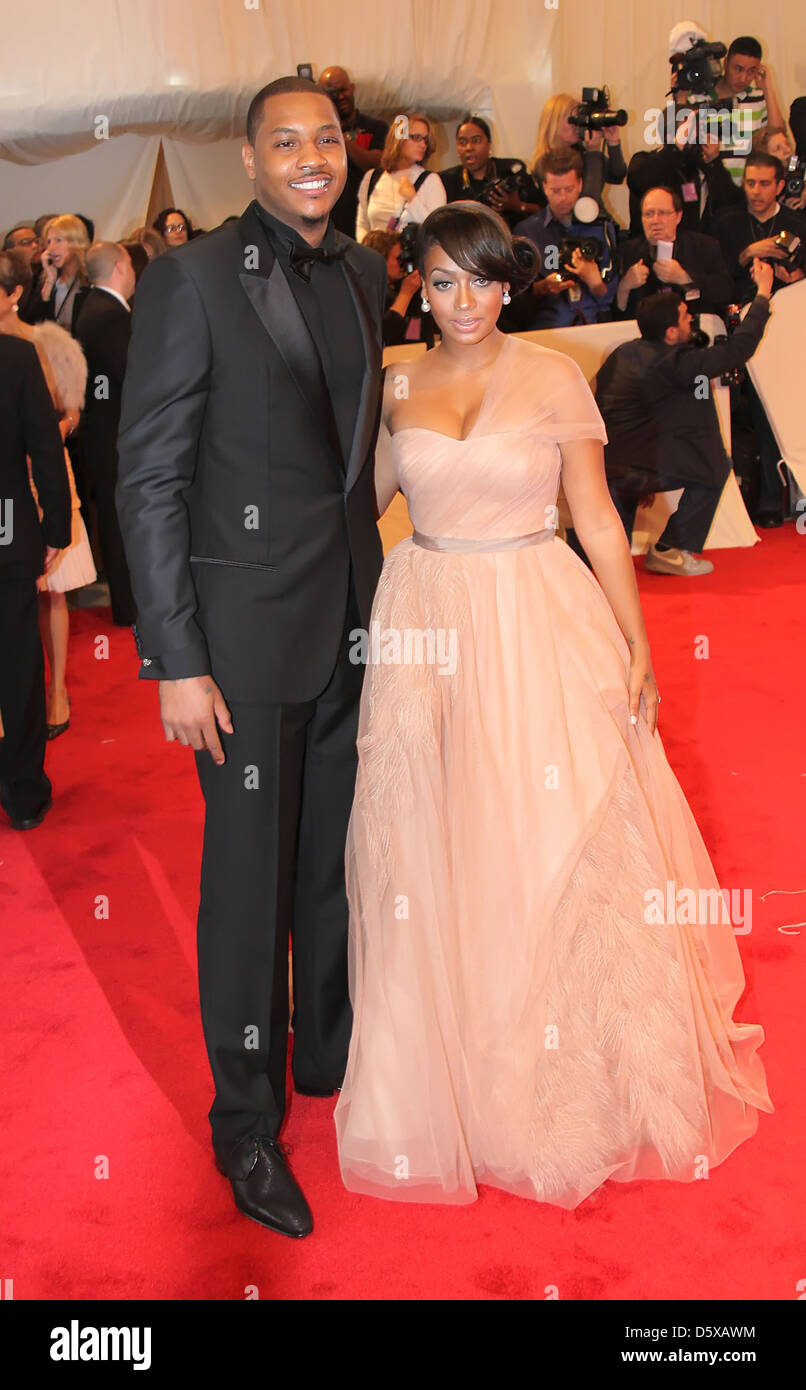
{"type": "Point", "coordinates": [302, 258]}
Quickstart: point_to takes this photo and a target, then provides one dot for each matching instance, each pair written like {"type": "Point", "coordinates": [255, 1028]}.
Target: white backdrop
{"type": "Point", "coordinates": [186, 69]}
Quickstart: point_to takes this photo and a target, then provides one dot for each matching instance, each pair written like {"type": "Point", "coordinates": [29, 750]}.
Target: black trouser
{"type": "Point", "coordinates": [687, 527]}
{"type": "Point", "coordinates": [24, 787]}
{"type": "Point", "coordinates": [770, 487]}
{"type": "Point", "coordinates": [273, 866]}
{"type": "Point", "coordinates": [103, 473]}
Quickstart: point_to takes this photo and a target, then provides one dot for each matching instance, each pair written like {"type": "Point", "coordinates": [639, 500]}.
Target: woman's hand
{"type": "Point", "coordinates": [642, 682]}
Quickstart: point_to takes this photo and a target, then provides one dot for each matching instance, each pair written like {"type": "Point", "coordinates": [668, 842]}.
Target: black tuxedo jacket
{"type": "Point", "coordinates": [29, 426]}
{"type": "Point", "coordinates": [657, 421]}
{"type": "Point", "coordinates": [700, 255]}
{"type": "Point", "coordinates": [240, 520]}
{"type": "Point", "coordinates": [103, 328]}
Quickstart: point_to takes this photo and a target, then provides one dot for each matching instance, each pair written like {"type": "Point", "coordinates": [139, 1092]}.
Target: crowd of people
{"type": "Point", "coordinates": [705, 212]}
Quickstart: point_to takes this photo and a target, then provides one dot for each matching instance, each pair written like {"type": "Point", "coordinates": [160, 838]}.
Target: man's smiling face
{"type": "Point", "coordinates": [298, 161]}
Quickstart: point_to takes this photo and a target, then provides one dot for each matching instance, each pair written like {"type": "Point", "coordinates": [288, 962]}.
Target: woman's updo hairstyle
{"type": "Point", "coordinates": [479, 240]}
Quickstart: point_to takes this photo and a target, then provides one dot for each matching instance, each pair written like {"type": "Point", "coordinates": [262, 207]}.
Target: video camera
{"type": "Point", "coordinates": [699, 68]}
{"type": "Point", "coordinates": [594, 113]}
{"type": "Point", "coordinates": [515, 180]}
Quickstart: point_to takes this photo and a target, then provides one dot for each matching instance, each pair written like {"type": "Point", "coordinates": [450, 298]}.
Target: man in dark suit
{"type": "Point", "coordinates": [28, 426]}
{"type": "Point", "coordinates": [246, 500]}
{"type": "Point", "coordinates": [695, 269]}
{"type": "Point", "coordinates": [662, 426]}
{"type": "Point", "coordinates": [103, 327]}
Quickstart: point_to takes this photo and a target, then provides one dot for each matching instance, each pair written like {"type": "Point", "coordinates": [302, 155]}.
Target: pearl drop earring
{"type": "Point", "coordinates": [506, 297]}
{"type": "Point", "coordinates": [426, 307]}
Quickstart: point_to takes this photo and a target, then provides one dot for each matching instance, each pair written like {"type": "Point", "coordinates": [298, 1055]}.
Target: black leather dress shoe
{"type": "Point", "coordinates": [30, 822]}
{"type": "Point", "coordinates": [263, 1185]}
{"type": "Point", "coordinates": [767, 520]}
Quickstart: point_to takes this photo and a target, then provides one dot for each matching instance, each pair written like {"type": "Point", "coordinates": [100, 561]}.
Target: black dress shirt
{"type": "Point", "coordinates": [326, 304]}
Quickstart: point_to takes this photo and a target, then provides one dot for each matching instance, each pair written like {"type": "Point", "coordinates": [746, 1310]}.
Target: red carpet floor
{"type": "Point", "coordinates": [104, 1068]}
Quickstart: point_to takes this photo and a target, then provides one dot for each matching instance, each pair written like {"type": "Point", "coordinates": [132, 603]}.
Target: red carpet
{"type": "Point", "coordinates": [105, 1069]}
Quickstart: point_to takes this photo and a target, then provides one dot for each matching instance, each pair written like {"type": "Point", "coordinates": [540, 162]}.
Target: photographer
{"type": "Point", "coordinates": [403, 321]}
{"type": "Point", "coordinates": [578, 282]}
{"type": "Point", "coordinates": [695, 268]}
{"type": "Point", "coordinates": [662, 426]}
{"type": "Point", "coordinates": [600, 150]}
{"type": "Point", "coordinates": [691, 166]}
{"type": "Point", "coordinates": [755, 227]}
{"type": "Point", "coordinates": [775, 140]}
{"type": "Point", "coordinates": [503, 184]}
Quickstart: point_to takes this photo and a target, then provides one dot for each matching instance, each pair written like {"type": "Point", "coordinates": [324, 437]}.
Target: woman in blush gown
{"type": "Point", "coordinates": [525, 1014]}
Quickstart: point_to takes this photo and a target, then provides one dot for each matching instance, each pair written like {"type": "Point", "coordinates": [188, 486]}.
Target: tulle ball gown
{"type": "Point", "coordinates": [524, 1016]}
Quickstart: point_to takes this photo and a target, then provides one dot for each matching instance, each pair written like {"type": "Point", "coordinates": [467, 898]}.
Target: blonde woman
{"type": "Point", "coordinates": [65, 371]}
{"type": "Point", "coordinates": [601, 152]}
{"type": "Point", "coordinates": [64, 276]}
{"type": "Point", "coordinates": [401, 190]}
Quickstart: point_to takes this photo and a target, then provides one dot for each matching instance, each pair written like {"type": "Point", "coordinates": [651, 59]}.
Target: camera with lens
{"type": "Point", "coordinates": [697, 337]}
{"type": "Point", "coordinates": [588, 247]}
{"type": "Point", "coordinates": [794, 170]}
{"type": "Point", "coordinates": [699, 68]}
{"type": "Point", "coordinates": [514, 180]}
{"type": "Point", "coordinates": [732, 317]}
{"type": "Point", "coordinates": [594, 113]}
{"type": "Point", "coordinates": [409, 238]}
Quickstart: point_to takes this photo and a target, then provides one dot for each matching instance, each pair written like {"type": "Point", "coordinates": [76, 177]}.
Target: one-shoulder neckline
{"type": "Point", "coordinates": [455, 438]}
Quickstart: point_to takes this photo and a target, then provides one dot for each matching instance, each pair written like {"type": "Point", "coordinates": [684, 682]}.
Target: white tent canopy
{"type": "Point", "coordinates": [82, 113]}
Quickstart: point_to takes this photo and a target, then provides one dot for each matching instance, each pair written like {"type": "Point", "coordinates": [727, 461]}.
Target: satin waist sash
{"type": "Point", "coordinates": [460, 546]}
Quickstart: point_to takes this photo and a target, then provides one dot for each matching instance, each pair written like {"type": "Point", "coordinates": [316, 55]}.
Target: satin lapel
{"type": "Point", "coordinates": [366, 417]}
{"type": "Point", "coordinates": [269, 294]}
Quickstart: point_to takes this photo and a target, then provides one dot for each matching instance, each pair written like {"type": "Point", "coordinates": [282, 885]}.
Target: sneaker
{"type": "Point", "coordinates": [675, 562]}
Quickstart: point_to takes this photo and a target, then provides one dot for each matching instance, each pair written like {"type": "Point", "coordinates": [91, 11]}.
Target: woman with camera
{"type": "Point", "coordinates": [503, 184]}
{"type": "Point", "coordinates": [602, 157]}
{"type": "Point", "coordinates": [403, 320]}
{"type": "Point", "coordinates": [401, 190]}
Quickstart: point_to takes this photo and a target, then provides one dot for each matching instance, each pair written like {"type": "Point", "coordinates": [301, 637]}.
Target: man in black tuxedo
{"type": "Point", "coordinates": [103, 327]}
{"type": "Point", "coordinates": [250, 413]}
{"type": "Point", "coordinates": [696, 269]}
{"type": "Point", "coordinates": [28, 426]}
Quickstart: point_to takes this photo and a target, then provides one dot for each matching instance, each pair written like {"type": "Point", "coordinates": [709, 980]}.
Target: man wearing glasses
{"type": "Point", "coordinates": [24, 240]}
{"type": "Point", "coordinates": [668, 258]}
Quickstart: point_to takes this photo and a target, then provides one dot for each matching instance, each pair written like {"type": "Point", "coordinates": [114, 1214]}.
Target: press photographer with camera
{"type": "Point", "coordinates": [775, 140]}
{"type": "Point", "coordinates": [578, 280]}
{"type": "Point", "coordinates": [668, 257]}
{"type": "Point", "coordinates": [503, 184]}
{"type": "Point", "coordinates": [759, 225]}
{"type": "Point", "coordinates": [662, 424]}
{"type": "Point", "coordinates": [403, 320]}
{"type": "Point", "coordinates": [567, 123]}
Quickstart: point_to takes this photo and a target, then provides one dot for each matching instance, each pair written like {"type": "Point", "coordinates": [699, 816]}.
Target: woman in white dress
{"type": "Point", "coordinates": [65, 369]}
{"type": "Point", "coordinates": [401, 190]}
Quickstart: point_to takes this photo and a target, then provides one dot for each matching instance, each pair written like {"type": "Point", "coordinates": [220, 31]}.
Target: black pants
{"type": "Point", "coordinates": [103, 474]}
{"type": "Point", "coordinates": [771, 492]}
{"type": "Point", "coordinates": [687, 527]}
{"type": "Point", "coordinates": [24, 787]}
{"type": "Point", "coordinates": [273, 866]}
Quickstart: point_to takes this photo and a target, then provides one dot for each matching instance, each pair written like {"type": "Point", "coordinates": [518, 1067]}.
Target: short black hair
{"type": "Point", "coordinates": [656, 313]}
{"type": "Point", "coordinates": [469, 119]}
{"type": "Point", "coordinates": [761, 159]}
{"type": "Point", "coordinates": [479, 240]}
{"type": "Point", "coordinates": [664, 188]}
{"type": "Point", "coordinates": [746, 45]}
{"type": "Point", "coordinates": [279, 87]}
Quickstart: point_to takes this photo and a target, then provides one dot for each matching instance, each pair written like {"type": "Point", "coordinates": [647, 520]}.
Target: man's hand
{"type": "Point", "coordinates": [552, 284]}
{"type": "Point", "coordinates": [589, 273]}
{"type": "Point", "coordinates": [636, 276]}
{"type": "Point", "coordinates": [671, 272]}
{"type": "Point", "coordinates": [764, 248]}
{"type": "Point", "coordinates": [761, 273]}
{"type": "Point", "coordinates": [189, 709]}
{"type": "Point", "coordinates": [710, 148]}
